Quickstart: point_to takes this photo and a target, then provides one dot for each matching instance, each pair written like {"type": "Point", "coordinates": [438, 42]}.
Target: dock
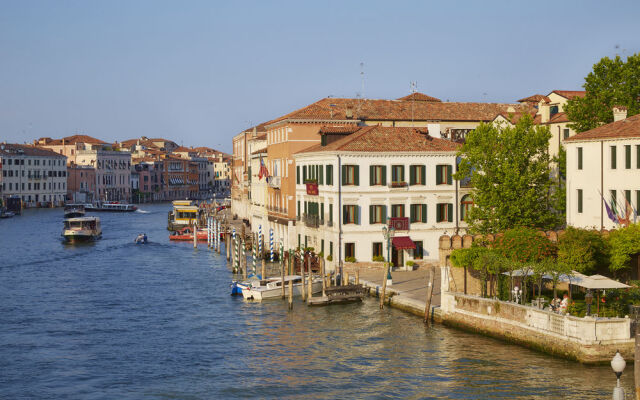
{"type": "Point", "coordinates": [339, 295]}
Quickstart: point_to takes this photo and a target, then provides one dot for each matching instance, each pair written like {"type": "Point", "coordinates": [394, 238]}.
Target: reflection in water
{"type": "Point", "coordinates": [118, 320]}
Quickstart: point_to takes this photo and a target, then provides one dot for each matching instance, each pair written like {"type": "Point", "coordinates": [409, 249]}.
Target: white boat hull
{"type": "Point", "coordinates": [262, 293]}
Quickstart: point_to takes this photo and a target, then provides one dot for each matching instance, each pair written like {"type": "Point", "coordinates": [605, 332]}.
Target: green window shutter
{"type": "Point", "coordinates": [627, 196]}
{"type": "Point", "coordinates": [638, 158]}
{"type": "Point", "coordinates": [424, 213]}
{"type": "Point", "coordinates": [321, 210]}
{"type": "Point", "coordinates": [371, 177]}
{"type": "Point", "coordinates": [450, 212]}
{"type": "Point", "coordinates": [298, 208]}
{"type": "Point", "coordinates": [322, 246]}
{"type": "Point", "coordinates": [304, 173]}
{"type": "Point", "coordinates": [579, 157]}
{"type": "Point", "coordinates": [412, 213]}
{"type": "Point", "coordinates": [438, 174]}
{"type": "Point", "coordinates": [357, 215]}
{"type": "Point", "coordinates": [402, 173]}
{"type": "Point", "coordinates": [423, 174]}
{"type": "Point", "coordinates": [298, 240]}
{"type": "Point", "coordinates": [438, 212]}
{"type": "Point", "coordinates": [384, 214]}
{"type": "Point", "coordinates": [321, 177]}
{"type": "Point", "coordinates": [344, 214]}
{"type": "Point", "coordinates": [356, 175]}
{"type": "Point", "coordinates": [384, 173]}
{"type": "Point", "coordinates": [331, 212]}
{"type": "Point", "coordinates": [579, 200]}
{"type": "Point", "coordinates": [371, 211]}
{"type": "Point", "coordinates": [627, 156]}
{"type": "Point", "coordinates": [412, 175]}
{"type": "Point", "coordinates": [298, 174]}
{"type": "Point", "coordinates": [449, 173]}
{"type": "Point", "coordinates": [344, 174]}
{"type": "Point", "coordinates": [306, 208]}
{"type": "Point", "coordinates": [613, 157]}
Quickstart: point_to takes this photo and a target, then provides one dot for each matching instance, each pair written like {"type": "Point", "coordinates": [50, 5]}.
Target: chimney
{"type": "Point", "coordinates": [348, 113]}
{"type": "Point", "coordinates": [545, 112]}
{"type": "Point", "coordinates": [619, 113]}
{"type": "Point", "coordinates": [434, 130]}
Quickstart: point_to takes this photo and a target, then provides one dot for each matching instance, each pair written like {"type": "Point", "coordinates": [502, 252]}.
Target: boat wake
{"type": "Point", "coordinates": [143, 211]}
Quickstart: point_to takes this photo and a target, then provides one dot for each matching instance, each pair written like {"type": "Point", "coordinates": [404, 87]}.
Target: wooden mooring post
{"type": "Point", "coordinates": [310, 295]}
{"type": "Point", "coordinates": [427, 309]}
{"type": "Point", "coordinates": [324, 277]}
{"type": "Point", "coordinates": [302, 288]}
{"type": "Point", "coordinates": [226, 245]}
{"type": "Point", "coordinates": [358, 276]}
{"type": "Point", "coordinates": [195, 235]}
{"type": "Point", "coordinates": [384, 285]}
{"type": "Point", "coordinates": [264, 268]}
{"type": "Point", "coordinates": [282, 270]}
{"type": "Point", "coordinates": [290, 293]}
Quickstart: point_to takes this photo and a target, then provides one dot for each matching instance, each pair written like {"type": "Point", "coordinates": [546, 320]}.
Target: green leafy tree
{"type": "Point", "coordinates": [510, 173]}
{"type": "Point", "coordinates": [623, 243]}
{"type": "Point", "coordinates": [486, 261]}
{"type": "Point", "coordinates": [613, 82]}
{"type": "Point", "coordinates": [581, 250]}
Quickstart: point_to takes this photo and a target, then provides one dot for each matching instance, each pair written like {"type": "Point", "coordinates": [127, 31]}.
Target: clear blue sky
{"type": "Point", "coordinates": [198, 72]}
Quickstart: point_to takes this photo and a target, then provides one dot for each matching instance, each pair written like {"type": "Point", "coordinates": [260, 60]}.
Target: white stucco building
{"type": "Point", "coordinates": [257, 185]}
{"type": "Point", "coordinates": [113, 172]}
{"type": "Point", "coordinates": [38, 176]}
{"type": "Point", "coordinates": [373, 177]}
{"type": "Point", "coordinates": [603, 161]}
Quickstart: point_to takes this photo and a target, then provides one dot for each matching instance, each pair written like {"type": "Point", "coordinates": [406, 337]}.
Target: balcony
{"type": "Point", "coordinates": [312, 221]}
{"type": "Point", "coordinates": [275, 182]}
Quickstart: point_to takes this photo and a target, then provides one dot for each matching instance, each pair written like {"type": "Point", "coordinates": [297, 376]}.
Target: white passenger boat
{"type": "Point", "coordinates": [113, 206]}
{"type": "Point", "coordinates": [82, 229]}
{"type": "Point", "coordinates": [272, 287]}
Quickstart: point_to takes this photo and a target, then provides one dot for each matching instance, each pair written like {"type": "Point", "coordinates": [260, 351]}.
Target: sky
{"type": "Point", "coordinates": [200, 72]}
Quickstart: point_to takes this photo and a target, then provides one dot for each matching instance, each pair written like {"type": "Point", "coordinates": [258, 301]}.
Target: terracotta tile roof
{"type": "Point", "coordinates": [627, 128]}
{"type": "Point", "coordinates": [183, 149]}
{"type": "Point", "coordinates": [387, 139]}
{"type": "Point", "coordinates": [70, 140]}
{"type": "Point", "coordinates": [340, 129]}
{"type": "Point", "coordinates": [535, 99]}
{"type": "Point", "coordinates": [388, 110]}
{"type": "Point", "coordinates": [417, 96]}
{"type": "Point", "coordinates": [558, 118]}
{"type": "Point", "coordinates": [570, 94]}
{"type": "Point", "coordinates": [514, 117]}
{"type": "Point", "coordinates": [27, 150]}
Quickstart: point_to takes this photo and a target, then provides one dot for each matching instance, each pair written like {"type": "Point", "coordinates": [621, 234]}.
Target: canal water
{"type": "Point", "coordinates": [113, 319]}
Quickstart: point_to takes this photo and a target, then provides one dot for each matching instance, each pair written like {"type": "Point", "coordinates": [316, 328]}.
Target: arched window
{"type": "Point", "coordinates": [465, 205]}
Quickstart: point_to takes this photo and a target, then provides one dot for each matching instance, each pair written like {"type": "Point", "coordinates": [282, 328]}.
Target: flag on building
{"type": "Point", "coordinates": [612, 216]}
{"type": "Point", "coordinates": [263, 170]}
{"type": "Point", "coordinates": [627, 213]}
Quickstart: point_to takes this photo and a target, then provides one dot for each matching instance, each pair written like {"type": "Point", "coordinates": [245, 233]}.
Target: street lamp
{"type": "Point", "coordinates": [618, 364]}
{"type": "Point", "coordinates": [388, 234]}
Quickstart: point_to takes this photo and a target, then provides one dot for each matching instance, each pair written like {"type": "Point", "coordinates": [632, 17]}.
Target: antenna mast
{"type": "Point", "coordinates": [362, 79]}
{"type": "Point", "coordinates": [413, 88]}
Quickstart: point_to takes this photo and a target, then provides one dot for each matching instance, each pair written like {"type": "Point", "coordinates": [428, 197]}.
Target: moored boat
{"type": "Point", "coordinates": [74, 211]}
{"type": "Point", "coordinates": [82, 229]}
{"type": "Point", "coordinates": [186, 234]}
{"type": "Point", "coordinates": [183, 214]}
{"type": "Point", "coordinates": [272, 288]}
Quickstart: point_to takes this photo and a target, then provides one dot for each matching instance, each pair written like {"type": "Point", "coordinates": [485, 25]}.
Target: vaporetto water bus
{"type": "Point", "coordinates": [183, 214]}
{"type": "Point", "coordinates": [82, 229]}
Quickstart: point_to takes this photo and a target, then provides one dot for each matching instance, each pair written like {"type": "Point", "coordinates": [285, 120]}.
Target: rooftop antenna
{"type": "Point", "coordinates": [413, 88]}
{"type": "Point", "coordinates": [362, 79]}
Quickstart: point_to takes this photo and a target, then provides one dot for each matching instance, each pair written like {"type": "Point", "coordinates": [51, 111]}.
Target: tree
{"type": "Point", "coordinates": [486, 261]}
{"type": "Point", "coordinates": [623, 243]}
{"type": "Point", "coordinates": [510, 173]}
{"type": "Point", "coordinates": [611, 83]}
{"type": "Point", "coordinates": [581, 250]}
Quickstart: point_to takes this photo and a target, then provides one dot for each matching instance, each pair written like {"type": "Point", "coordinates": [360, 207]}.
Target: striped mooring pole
{"type": "Point", "coordinates": [260, 240]}
{"type": "Point", "coordinates": [271, 242]}
{"type": "Point", "coordinates": [253, 249]}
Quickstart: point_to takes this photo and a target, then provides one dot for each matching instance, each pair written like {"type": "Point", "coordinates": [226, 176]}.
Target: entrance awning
{"type": "Point", "coordinates": [403, 243]}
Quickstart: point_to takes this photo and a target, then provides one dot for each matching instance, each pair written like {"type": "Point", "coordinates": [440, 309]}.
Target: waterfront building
{"type": "Point", "coordinates": [179, 178]}
{"type": "Point", "coordinates": [81, 183]}
{"type": "Point", "coordinates": [113, 171]}
{"type": "Point", "coordinates": [219, 172]}
{"type": "Point", "coordinates": [604, 162]}
{"type": "Point", "coordinates": [258, 183]}
{"type": "Point", "coordinates": [300, 130]}
{"type": "Point", "coordinates": [373, 177]}
{"type": "Point", "coordinates": [70, 145]}
{"type": "Point", "coordinates": [38, 176]}
{"type": "Point", "coordinates": [240, 171]}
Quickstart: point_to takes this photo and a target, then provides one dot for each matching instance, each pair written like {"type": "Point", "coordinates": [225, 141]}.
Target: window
{"type": "Point", "coordinates": [377, 214]}
{"type": "Point", "coordinates": [637, 199]}
{"type": "Point", "coordinates": [417, 175]}
{"type": "Point", "coordinates": [299, 208]}
{"type": "Point", "coordinates": [627, 157]}
{"type": "Point", "coordinates": [329, 175]}
{"type": "Point", "coordinates": [418, 213]}
{"type": "Point", "coordinates": [397, 211]}
{"type": "Point", "coordinates": [330, 212]}
{"type": "Point", "coordinates": [331, 249]}
{"type": "Point", "coordinates": [443, 175]}
{"type": "Point", "coordinates": [613, 157]}
{"type": "Point", "coordinates": [304, 173]}
{"type": "Point", "coordinates": [350, 175]}
{"type": "Point", "coordinates": [614, 200]}
{"type": "Point", "coordinates": [320, 174]}
{"type": "Point", "coordinates": [580, 201]}
{"type": "Point", "coordinates": [444, 212]}
{"type": "Point", "coordinates": [418, 252]}
{"type": "Point", "coordinates": [350, 214]}
{"type": "Point", "coordinates": [579, 157]}
{"type": "Point", "coordinates": [299, 242]}
{"type": "Point", "coordinates": [465, 205]}
{"type": "Point", "coordinates": [349, 250]}
{"type": "Point", "coordinates": [377, 175]}
{"type": "Point", "coordinates": [553, 110]}
{"type": "Point", "coordinates": [376, 250]}
{"type": "Point", "coordinates": [397, 174]}
{"type": "Point", "coordinates": [565, 133]}
{"type": "Point", "coordinates": [638, 156]}
{"type": "Point", "coordinates": [297, 174]}
{"type": "Point", "coordinates": [627, 196]}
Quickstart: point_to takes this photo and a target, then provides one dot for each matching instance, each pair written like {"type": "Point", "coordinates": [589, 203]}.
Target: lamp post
{"type": "Point", "coordinates": [618, 364]}
{"type": "Point", "coordinates": [388, 234]}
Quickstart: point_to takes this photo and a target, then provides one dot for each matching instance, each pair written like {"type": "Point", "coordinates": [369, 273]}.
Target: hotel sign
{"type": "Point", "coordinates": [399, 224]}
{"type": "Point", "coordinates": [312, 189]}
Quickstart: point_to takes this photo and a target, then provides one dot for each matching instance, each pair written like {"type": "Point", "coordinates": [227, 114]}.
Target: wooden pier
{"type": "Point", "coordinates": [339, 295]}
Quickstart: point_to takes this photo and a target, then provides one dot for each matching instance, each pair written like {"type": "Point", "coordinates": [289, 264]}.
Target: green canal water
{"type": "Point", "coordinates": [115, 320]}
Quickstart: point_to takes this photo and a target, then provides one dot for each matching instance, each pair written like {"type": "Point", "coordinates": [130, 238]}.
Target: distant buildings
{"type": "Point", "coordinates": [603, 164]}
{"type": "Point", "coordinates": [37, 176]}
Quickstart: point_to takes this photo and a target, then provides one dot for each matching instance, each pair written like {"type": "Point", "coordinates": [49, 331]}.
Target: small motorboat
{"type": "Point", "coordinates": [4, 213]}
{"type": "Point", "coordinates": [141, 239]}
{"type": "Point", "coordinates": [272, 287]}
{"type": "Point", "coordinates": [237, 287]}
{"type": "Point", "coordinates": [186, 234]}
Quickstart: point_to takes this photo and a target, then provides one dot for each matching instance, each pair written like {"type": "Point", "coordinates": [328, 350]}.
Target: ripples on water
{"type": "Point", "coordinates": [118, 320]}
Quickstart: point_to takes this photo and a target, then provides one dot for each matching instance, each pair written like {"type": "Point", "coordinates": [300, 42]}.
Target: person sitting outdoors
{"type": "Point", "coordinates": [564, 304]}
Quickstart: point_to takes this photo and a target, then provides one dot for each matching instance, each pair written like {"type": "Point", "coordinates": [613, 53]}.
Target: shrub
{"type": "Point", "coordinates": [378, 258]}
{"type": "Point", "coordinates": [329, 257]}
{"type": "Point", "coordinates": [581, 250]}
{"type": "Point", "coordinates": [409, 263]}
{"type": "Point", "coordinates": [623, 243]}
{"type": "Point", "coordinates": [350, 259]}
{"type": "Point", "coordinates": [321, 254]}
{"type": "Point", "coordinates": [523, 245]}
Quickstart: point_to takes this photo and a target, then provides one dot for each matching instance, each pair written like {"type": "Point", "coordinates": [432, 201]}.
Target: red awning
{"type": "Point", "coordinates": [403, 243]}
